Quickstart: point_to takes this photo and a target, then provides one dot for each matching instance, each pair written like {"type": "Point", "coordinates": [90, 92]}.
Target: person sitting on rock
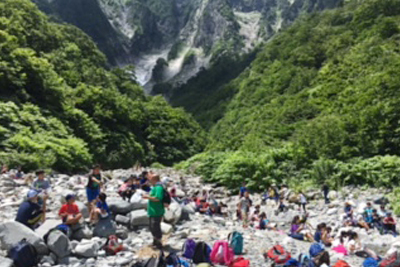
{"type": "Point", "coordinates": [101, 209]}
{"type": "Point", "coordinates": [262, 225]}
{"type": "Point", "coordinates": [202, 207]}
{"type": "Point", "coordinates": [19, 174]}
{"type": "Point", "coordinates": [94, 184]}
{"type": "Point", "coordinates": [377, 221]}
{"type": "Point", "coordinates": [318, 233]}
{"type": "Point", "coordinates": [282, 207]}
{"type": "Point", "coordinates": [254, 217]}
{"type": "Point", "coordinates": [4, 169]}
{"type": "Point", "coordinates": [69, 212]}
{"type": "Point", "coordinates": [41, 184]}
{"type": "Point", "coordinates": [297, 228]}
{"type": "Point", "coordinates": [30, 213]}
{"type": "Point", "coordinates": [125, 190]}
{"type": "Point", "coordinates": [360, 222]}
{"type": "Point", "coordinates": [389, 224]}
{"type": "Point", "coordinates": [382, 211]}
{"type": "Point", "coordinates": [144, 181]}
{"type": "Point", "coordinates": [368, 215]}
{"type": "Point", "coordinates": [353, 244]}
{"type": "Point", "coordinates": [327, 238]}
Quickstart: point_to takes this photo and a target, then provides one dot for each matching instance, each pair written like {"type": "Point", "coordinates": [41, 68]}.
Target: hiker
{"type": "Point", "coordinates": [318, 233]}
{"type": "Point", "coordinates": [93, 185]}
{"type": "Point", "coordinates": [255, 214]}
{"type": "Point", "coordinates": [327, 238]}
{"type": "Point", "coordinates": [353, 243]}
{"type": "Point", "coordinates": [282, 207]}
{"type": "Point", "coordinates": [101, 210]}
{"type": "Point", "coordinates": [41, 184]}
{"type": "Point", "coordinates": [264, 223]}
{"type": "Point", "coordinates": [389, 224]}
{"type": "Point", "coordinates": [4, 169]}
{"type": "Point", "coordinates": [377, 221]}
{"type": "Point", "coordinates": [244, 207]}
{"type": "Point", "coordinates": [182, 183]}
{"type": "Point", "coordinates": [368, 214]}
{"type": "Point", "coordinates": [348, 209]}
{"type": "Point", "coordinates": [30, 213]}
{"type": "Point", "coordinates": [69, 212]}
{"type": "Point", "coordinates": [297, 228]}
{"type": "Point", "coordinates": [202, 206]}
{"type": "Point", "coordinates": [325, 191]}
{"type": "Point", "coordinates": [144, 181]}
{"type": "Point", "coordinates": [155, 209]}
{"type": "Point", "coordinates": [242, 189]}
{"type": "Point", "coordinates": [382, 211]}
{"type": "Point", "coordinates": [303, 201]}
{"type": "Point", "coordinates": [126, 189]}
{"type": "Point", "coordinates": [19, 174]}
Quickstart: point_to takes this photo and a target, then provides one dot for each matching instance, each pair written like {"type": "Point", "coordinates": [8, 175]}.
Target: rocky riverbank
{"type": "Point", "coordinates": [180, 222]}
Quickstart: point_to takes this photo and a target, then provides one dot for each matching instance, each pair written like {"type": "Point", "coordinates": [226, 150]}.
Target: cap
{"type": "Point", "coordinates": [39, 172]}
{"type": "Point", "coordinates": [32, 193]}
{"type": "Point", "coordinates": [69, 196]}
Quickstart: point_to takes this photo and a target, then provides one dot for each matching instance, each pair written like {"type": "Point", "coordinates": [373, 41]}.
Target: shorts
{"type": "Point", "coordinates": [92, 194]}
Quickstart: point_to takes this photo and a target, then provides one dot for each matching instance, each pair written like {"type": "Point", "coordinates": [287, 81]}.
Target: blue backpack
{"type": "Point", "coordinates": [188, 248]}
{"type": "Point", "coordinates": [305, 261]}
{"type": "Point", "coordinates": [370, 262]}
{"type": "Point", "coordinates": [24, 254]}
{"type": "Point", "coordinates": [316, 249]}
{"type": "Point", "coordinates": [236, 242]}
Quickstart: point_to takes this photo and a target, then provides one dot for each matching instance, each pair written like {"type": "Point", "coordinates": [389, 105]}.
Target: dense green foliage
{"type": "Point", "coordinates": [327, 88]}
{"type": "Point", "coordinates": [62, 109]}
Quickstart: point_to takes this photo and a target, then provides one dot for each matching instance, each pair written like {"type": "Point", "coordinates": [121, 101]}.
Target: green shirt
{"type": "Point", "coordinates": [156, 209]}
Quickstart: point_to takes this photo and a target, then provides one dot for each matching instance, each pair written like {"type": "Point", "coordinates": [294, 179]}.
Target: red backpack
{"type": "Point", "coordinates": [112, 246]}
{"type": "Point", "coordinates": [393, 260]}
{"type": "Point", "coordinates": [341, 263]}
{"type": "Point", "coordinates": [278, 255]}
{"type": "Point", "coordinates": [240, 262]}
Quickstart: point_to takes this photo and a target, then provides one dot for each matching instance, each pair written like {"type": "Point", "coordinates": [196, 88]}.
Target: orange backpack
{"type": "Point", "coordinates": [341, 263]}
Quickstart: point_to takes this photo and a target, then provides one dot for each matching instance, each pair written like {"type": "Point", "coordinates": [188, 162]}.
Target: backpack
{"type": "Point", "coordinates": [322, 258]}
{"type": "Point", "coordinates": [156, 261]}
{"type": "Point", "coordinates": [370, 262]}
{"type": "Point", "coordinates": [62, 227]}
{"type": "Point", "coordinates": [188, 248]}
{"type": "Point", "coordinates": [392, 260]}
{"type": "Point", "coordinates": [166, 200]}
{"type": "Point", "coordinates": [221, 253]}
{"type": "Point", "coordinates": [305, 261]}
{"type": "Point", "coordinates": [278, 254]}
{"type": "Point", "coordinates": [201, 253]}
{"type": "Point", "coordinates": [240, 262]}
{"type": "Point", "coordinates": [236, 242]}
{"type": "Point", "coordinates": [112, 245]}
{"type": "Point", "coordinates": [23, 254]}
{"type": "Point", "coordinates": [173, 260]}
{"type": "Point", "coordinates": [341, 263]}
{"type": "Point", "coordinates": [315, 249]}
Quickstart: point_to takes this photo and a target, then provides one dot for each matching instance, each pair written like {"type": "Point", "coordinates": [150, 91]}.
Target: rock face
{"type": "Point", "coordinates": [59, 244]}
{"type": "Point", "coordinates": [139, 218]}
{"type": "Point", "coordinates": [13, 232]}
{"type": "Point", "coordinates": [105, 228]}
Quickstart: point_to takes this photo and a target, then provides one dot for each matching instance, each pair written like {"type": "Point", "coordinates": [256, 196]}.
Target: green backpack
{"type": "Point", "coordinates": [236, 242]}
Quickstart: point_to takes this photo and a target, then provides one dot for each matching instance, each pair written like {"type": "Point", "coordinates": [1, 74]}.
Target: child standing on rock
{"type": "Point", "coordinates": [93, 186]}
{"type": "Point", "coordinates": [244, 207]}
{"type": "Point", "coordinates": [303, 202]}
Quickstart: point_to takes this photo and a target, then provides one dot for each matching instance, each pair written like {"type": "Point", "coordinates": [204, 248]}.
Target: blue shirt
{"type": "Point", "coordinates": [317, 236]}
{"type": "Point", "coordinates": [103, 206]}
{"type": "Point", "coordinates": [243, 189]}
{"type": "Point", "coordinates": [27, 211]}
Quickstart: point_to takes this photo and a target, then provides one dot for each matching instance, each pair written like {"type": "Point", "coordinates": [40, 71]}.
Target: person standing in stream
{"type": "Point", "coordinates": [155, 209]}
{"type": "Point", "coordinates": [93, 186]}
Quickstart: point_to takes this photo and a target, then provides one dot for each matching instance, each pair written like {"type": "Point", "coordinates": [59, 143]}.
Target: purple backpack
{"type": "Point", "coordinates": [188, 248]}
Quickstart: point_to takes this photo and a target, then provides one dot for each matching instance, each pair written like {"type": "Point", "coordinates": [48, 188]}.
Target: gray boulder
{"type": "Point", "coordinates": [139, 218]}
{"type": "Point", "coordinates": [381, 200]}
{"type": "Point", "coordinates": [69, 261]}
{"type": "Point", "coordinates": [80, 232]}
{"type": "Point", "coordinates": [13, 232]}
{"type": "Point", "coordinates": [87, 249]}
{"type": "Point", "coordinates": [137, 201]}
{"type": "Point", "coordinates": [47, 226]}
{"type": "Point", "coordinates": [173, 213]}
{"type": "Point", "coordinates": [59, 244]}
{"type": "Point", "coordinates": [119, 206]}
{"type": "Point", "coordinates": [166, 228]}
{"type": "Point", "coordinates": [6, 262]}
{"type": "Point", "coordinates": [122, 219]}
{"type": "Point", "coordinates": [83, 209]}
{"type": "Point", "coordinates": [105, 228]}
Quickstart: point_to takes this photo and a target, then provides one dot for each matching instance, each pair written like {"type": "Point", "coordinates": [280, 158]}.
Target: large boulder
{"type": "Point", "coordinates": [47, 226]}
{"type": "Point", "coordinates": [139, 218]}
{"type": "Point", "coordinates": [380, 200]}
{"type": "Point", "coordinates": [122, 219]}
{"type": "Point", "coordinates": [166, 228]}
{"type": "Point", "coordinates": [80, 232]}
{"type": "Point", "coordinates": [120, 206]}
{"type": "Point", "coordinates": [87, 249]}
{"type": "Point", "coordinates": [5, 262]}
{"type": "Point", "coordinates": [332, 195]}
{"type": "Point", "coordinates": [173, 213]}
{"type": "Point", "coordinates": [59, 244]}
{"type": "Point", "coordinates": [83, 209]}
{"type": "Point", "coordinates": [105, 228]}
{"type": "Point", "coordinates": [137, 201]}
{"type": "Point", "coordinates": [13, 232]}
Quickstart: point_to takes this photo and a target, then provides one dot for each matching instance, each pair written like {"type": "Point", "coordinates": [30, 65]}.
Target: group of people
{"type": "Point", "coordinates": [32, 212]}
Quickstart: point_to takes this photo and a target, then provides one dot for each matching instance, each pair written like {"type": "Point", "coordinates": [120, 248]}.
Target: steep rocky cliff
{"type": "Point", "coordinates": [188, 34]}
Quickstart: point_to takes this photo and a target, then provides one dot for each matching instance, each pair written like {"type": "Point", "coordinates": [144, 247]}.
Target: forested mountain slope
{"type": "Point", "coordinates": [321, 100]}
{"type": "Point", "coordinates": [62, 108]}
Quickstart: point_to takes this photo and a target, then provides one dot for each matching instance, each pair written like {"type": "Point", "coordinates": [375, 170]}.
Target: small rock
{"type": "Point", "coordinates": [6, 262]}
{"type": "Point", "coordinates": [139, 218]}
{"type": "Point", "coordinates": [104, 228]}
{"type": "Point", "coordinates": [122, 219]}
{"type": "Point", "coordinates": [166, 228]}
{"type": "Point", "coordinates": [87, 250]}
